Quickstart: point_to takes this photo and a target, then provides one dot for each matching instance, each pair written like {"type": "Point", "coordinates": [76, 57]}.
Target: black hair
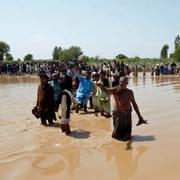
{"type": "Point", "coordinates": [43, 75]}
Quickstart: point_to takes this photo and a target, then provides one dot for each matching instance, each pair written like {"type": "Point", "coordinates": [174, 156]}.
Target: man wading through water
{"type": "Point", "coordinates": [45, 100]}
{"type": "Point", "coordinates": [122, 121]}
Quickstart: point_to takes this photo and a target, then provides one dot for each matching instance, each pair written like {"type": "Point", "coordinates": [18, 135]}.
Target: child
{"type": "Point", "coordinates": [66, 99]}
{"type": "Point", "coordinates": [104, 98]}
{"type": "Point", "coordinates": [95, 97]}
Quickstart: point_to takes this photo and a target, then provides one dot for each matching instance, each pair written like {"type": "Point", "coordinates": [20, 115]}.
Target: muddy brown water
{"type": "Point", "coordinates": [29, 150]}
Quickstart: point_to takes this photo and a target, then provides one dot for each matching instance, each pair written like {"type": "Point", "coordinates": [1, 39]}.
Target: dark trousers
{"type": "Point", "coordinates": [66, 128]}
{"type": "Point", "coordinates": [90, 102]}
{"type": "Point", "coordinates": [122, 123]}
{"type": "Point", "coordinates": [80, 106]}
{"type": "Point", "coordinates": [45, 117]}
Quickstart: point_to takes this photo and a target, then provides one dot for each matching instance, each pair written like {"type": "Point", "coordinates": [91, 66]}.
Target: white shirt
{"type": "Point", "coordinates": [63, 107]}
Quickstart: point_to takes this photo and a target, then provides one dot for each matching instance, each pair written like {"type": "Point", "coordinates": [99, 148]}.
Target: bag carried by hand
{"type": "Point", "coordinates": [35, 112]}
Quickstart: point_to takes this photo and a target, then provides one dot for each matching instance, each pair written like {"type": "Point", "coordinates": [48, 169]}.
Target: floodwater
{"type": "Point", "coordinates": [30, 151]}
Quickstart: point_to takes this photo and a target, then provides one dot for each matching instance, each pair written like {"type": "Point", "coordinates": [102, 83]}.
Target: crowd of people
{"type": "Point", "coordinates": [65, 88]}
{"type": "Point", "coordinates": [50, 67]}
{"type": "Point", "coordinates": [159, 69]}
{"type": "Point", "coordinates": [110, 68]}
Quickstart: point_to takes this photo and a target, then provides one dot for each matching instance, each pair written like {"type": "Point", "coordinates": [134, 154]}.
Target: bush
{"type": "Point", "coordinates": [176, 55]}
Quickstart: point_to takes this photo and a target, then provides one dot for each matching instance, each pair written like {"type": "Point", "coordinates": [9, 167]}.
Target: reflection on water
{"type": "Point", "coordinates": [165, 80]}
{"type": "Point", "coordinates": [135, 81]}
{"type": "Point", "coordinates": [158, 80]}
{"type": "Point", "coordinates": [49, 168]}
{"type": "Point", "coordinates": [126, 159]}
{"type": "Point", "coordinates": [18, 79]}
{"type": "Point", "coordinates": [67, 159]}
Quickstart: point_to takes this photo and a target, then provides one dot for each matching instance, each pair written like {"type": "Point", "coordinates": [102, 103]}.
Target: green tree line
{"type": "Point", "coordinates": [74, 54]}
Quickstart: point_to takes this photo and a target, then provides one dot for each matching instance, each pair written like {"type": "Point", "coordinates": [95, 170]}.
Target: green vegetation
{"type": "Point", "coordinates": [164, 52]}
{"type": "Point", "coordinates": [177, 42]}
{"type": "Point", "coordinates": [56, 53]}
{"type": "Point", "coordinates": [28, 57]}
{"type": "Point", "coordinates": [4, 49]}
{"type": "Point", "coordinates": [121, 56]}
{"type": "Point", "coordinates": [74, 54]}
{"type": "Point", "coordinates": [176, 55]}
{"type": "Point", "coordinates": [63, 55]}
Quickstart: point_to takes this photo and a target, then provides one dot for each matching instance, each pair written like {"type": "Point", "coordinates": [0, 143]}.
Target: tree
{"type": "Point", "coordinates": [4, 49]}
{"type": "Point", "coordinates": [171, 55]}
{"type": "Point", "coordinates": [28, 57]}
{"type": "Point", "coordinates": [56, 53]}
{"type": "Point", "coordinates": [74, 52]}
{"type": "Point", "coordinates": [71, 54]}
{"type": "Point", "coordinates": [121, 56]}
{"type": "Point", "coordinates": [85, 59]}
{"type": "Point", "coordinates": [177, 42]}
{"type": "Point", "coordinates": [164, 52]}
{"type": "Point", "coordinates": [18, 59]}
{"type": "Point", "coordinates": [176, 54]}
{"type": "Point", "coordinates": [9, 57]}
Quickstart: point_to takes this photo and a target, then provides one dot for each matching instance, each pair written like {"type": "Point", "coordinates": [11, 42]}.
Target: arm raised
{"type": "Point", "coordinates": [108, 90]}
